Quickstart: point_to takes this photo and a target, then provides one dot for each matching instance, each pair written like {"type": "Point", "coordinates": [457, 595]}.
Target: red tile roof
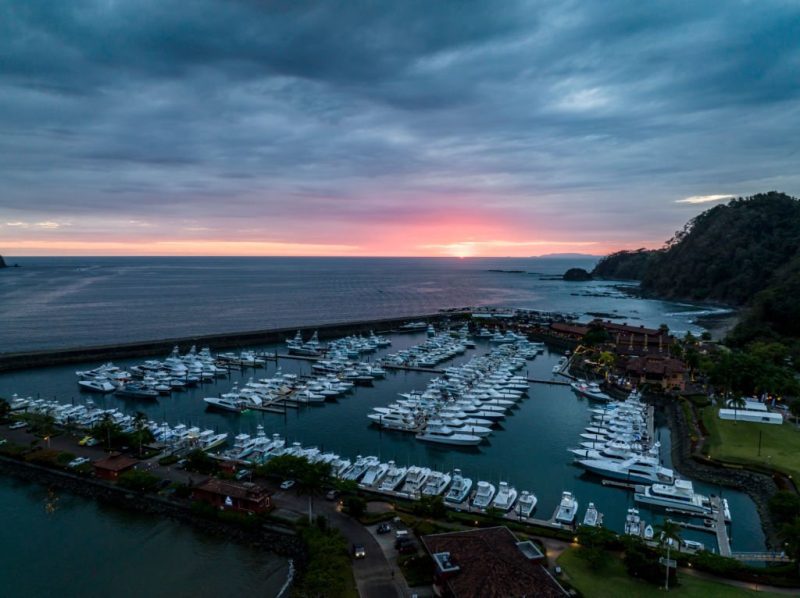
{"type": "Point", "coordinates": [115, 463]}
{"type": "Point", "coordinates": [491, 565]}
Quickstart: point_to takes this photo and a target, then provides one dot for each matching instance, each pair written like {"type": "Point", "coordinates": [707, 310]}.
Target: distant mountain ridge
{"type": "Point", "coordinates": [743, 253]}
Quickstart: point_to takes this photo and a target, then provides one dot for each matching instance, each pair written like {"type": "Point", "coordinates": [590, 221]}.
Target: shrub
{"type": "Point", "coordinates": [138, 480]}
{"type": "Point", "coordinates": [355, 506]}
{"type": "Point", "coordinates": [784, 506]}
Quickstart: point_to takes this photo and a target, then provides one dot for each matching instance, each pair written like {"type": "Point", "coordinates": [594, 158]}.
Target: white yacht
{"type": "Point", "coordinates": [526, 504]}
{"type": "Point", "coordinates": [590, 390]}
{"type": "Point", "coordinates": [359, 468]}
{"type": "Point", "coordinates": [648, 532]}
{"type": "Point", "coordinates": [483, 495]}
{"type": "Point", "coordinates": [680, 496]}
{"type": "Point", "coordinates": [415, 479]}
{"type": "Point", "coordinates": [441, 434]}
{"type": "Point", "coordinates": [393, 478]}
{"type": "Point", "coordinates": [567, 508]}
{"type": "Point", "coordinates": [460, 489]}
{"type": "Point", "coordinates": [373, 475]}
{"type": "Point", "coordinates": [436, 484]}
{"type": "Point", "coordinates": [506, 495]}
{"type": "Point", "coordinates": [99, 385]}
{"type": "Point", "coordinates": [592, 517]}
{"type": "Point", "coordinates": [633, 523]}
{"type": "Point", "coordinates": [637, 468]}
{"type": "Point", "coordinates": [224, 404]}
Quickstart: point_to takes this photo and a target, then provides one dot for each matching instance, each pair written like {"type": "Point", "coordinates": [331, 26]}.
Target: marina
{"type": "Point", "coordinates": [310, 430]}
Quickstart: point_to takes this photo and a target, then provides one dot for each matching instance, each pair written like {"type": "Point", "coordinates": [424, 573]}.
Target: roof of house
{"type": "Point", "coordinates": [626, 328]}
{"type": "Point", "coordinates": [246, 490]}
{"type": "Point", "coordinates": [655, 364]}
{"type": "Point", "coordinates": [576, 329]}
{"type": "Point", "coordinates": [115, 462]}
{"type": "Point", "coordinates": [488, 563]}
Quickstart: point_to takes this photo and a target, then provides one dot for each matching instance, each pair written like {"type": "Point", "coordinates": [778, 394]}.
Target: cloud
{"type": "Point", "coordinates": [704, 198]}
{"type": "Point", "coordinates": [350, 123]}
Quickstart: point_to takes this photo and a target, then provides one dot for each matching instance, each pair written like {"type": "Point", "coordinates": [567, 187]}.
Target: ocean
{"type": "Point", "coordinates": [66, 302]}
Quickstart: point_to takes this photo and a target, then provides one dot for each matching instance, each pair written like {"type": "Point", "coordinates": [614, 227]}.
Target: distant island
{"type": "Point", "coordinates": [743, 254]}
{"type": "Point", "coordinates": [577, 275]}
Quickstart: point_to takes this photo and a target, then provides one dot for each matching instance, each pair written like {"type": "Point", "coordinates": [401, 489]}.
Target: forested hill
{"type": "Point", "coordinates": [746, 252]}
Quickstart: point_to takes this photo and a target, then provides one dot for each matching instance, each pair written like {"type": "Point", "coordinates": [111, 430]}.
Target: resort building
{"type": "Point", "coordinates": [656, 370]}
{"type": "Point", "coordinates": [232, 496]}
{"type": "Point", "coordinates": [489, 563]}
{"type": "Point", "coordinates": [112, 466]}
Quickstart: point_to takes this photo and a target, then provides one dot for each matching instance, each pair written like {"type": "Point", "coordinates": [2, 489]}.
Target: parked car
{"type": "Point", "coordinates": [402, 541]}
{"type": "Point", "coordinates": [287, 484]}
{"type": "Point", "coordinates": [332, 495]}
{"type": "Point", "coordinates": [409, 547]}
{"type": "Point", "coordinates": [359, 552]}
{"type": "Point", "coordinates": [384, 528]}
{"type": "Point", "coordinates": [182, 464]}
{"type": "Point", "coordinates": [78, 462]}
{"type": "Point", "coordinates": [242, 474]}
{"type": "Point", "coordinates": [17, 425]}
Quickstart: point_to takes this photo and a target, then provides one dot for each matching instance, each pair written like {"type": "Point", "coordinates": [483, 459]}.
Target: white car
{"type": "Point", "coordinates": [17, 426]}
{"type": "Point", "coordinates": [287, 484]}
{"type": "Point", "coordinates": [78, 462]}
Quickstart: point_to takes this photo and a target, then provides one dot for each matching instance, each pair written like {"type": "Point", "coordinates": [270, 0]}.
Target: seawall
{"type": "Point", "coordinates": [18, 361]}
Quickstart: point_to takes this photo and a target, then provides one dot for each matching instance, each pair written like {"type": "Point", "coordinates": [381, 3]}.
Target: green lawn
{"type": "Point", "coordinates": [737, 442]}
{"type": "Point", "coordinates": [614, 581]}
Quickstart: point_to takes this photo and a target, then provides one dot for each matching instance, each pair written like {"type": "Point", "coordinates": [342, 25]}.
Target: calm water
{"type": "Point", "coordinates": [530, 450]}
{"type": "Point", "coordinates": [57, 544]}
{"type": "Point", "coordinates": [61, 302]}
{"type": "Point", "coordinates": [79, 301]}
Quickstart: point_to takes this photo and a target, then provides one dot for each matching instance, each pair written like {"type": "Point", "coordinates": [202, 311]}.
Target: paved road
{"type": "Point", "coordinates": [373, 573]}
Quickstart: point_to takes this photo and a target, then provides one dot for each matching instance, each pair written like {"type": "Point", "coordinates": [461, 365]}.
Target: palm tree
{"type": "Point", "coordinates": [668, 533]}
{"type": "Point", "coordinates": [311, 480]}
{"type": "Point", "coordinates": [737, 403]}
{"type": "Point", "coordinates": [139, 421]}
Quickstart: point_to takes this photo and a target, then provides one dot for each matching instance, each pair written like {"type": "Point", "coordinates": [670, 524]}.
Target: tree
{"type": "Point", "coordinates": [668, 532]}
{"type": "Point", "coordinates": [311, 480]}
{"type": "Point", "coordinates": [141, 432]}
{"type": "Point", "coordinates": [790, 533]}
{"type": "Point", "coordinates": [138, 480]}
{"type": "Point", "coordinates": [5, 409]}
{"type": "Point", "coordinates": [737, 403]}
{"type": "Point", "coordinates": [794, 409]}
{"type": "Point", "coordinates": [197, 460]}
{"type": "Point", "coordinates": [784, 506]}
{"type": "Point", "coordinates": [607, 360]}
{"type": "Point", "coordinates": [108, 430]}
{"type": "Point", "coordinates": [41, 424]}
{"type": "Point", "coordinates": [355, 506]}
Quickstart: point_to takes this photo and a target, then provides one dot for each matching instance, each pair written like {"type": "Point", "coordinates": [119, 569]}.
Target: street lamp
{"type": "Point", "coordinates": [669, 546]}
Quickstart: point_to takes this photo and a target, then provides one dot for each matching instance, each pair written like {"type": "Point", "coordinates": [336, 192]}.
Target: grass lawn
{"type": "Point", "coordinates": [737, 442]}
{"type": "Point", "coordinates": [614, 581]}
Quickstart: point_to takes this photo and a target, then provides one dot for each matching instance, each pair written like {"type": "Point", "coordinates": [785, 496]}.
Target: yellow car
{"type": "Point", "coordinates": [86, 440]}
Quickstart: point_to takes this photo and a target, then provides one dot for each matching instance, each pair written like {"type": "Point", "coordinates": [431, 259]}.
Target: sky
{"type": "Point", "coordinates": [247, 127]}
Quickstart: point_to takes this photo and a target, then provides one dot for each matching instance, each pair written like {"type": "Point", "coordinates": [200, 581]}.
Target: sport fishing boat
{"type": "Point", "coordinates": [136, 391]}
{"type": "Point", "coordinates": [224, 404]}
{"type": "Point", "coordinates": [483, 495]}
{"type": "Point", "coordinates": [436, 484]}
{"type": "Point", "coordinates": [590, 390]}
{"type": "Point", "coordinates": [506, 495]}
{"type": "Point", "coordinates": [526, 504]}
{"type": "Point", "coordinates": [460, 489]}
{"type": "Point", "coordinates": [441, 434]}
{"type": "Point", "coordinates": [633, 523]}
{"type": "Point", "coordinates": [592, 516]}
{"type": "Point", "coordinates": [415, 479]}
{"type": "Point", "coordinates": [393, 478]}
{"type": "Point", "coordinates": [567, 508]}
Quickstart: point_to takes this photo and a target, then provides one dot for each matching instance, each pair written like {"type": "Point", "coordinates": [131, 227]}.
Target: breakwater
{"type": "Point", "coordinates": [272, 538]}
{"type": "Point", "coordinates": [20, 361]}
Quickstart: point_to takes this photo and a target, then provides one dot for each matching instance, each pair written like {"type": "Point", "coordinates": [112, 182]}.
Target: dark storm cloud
{"type": "Point", "coordinates": [584, 114]}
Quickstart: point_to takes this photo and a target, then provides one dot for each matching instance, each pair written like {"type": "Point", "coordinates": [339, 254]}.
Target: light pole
{"type": "Point", "coordinates": [666, 581]}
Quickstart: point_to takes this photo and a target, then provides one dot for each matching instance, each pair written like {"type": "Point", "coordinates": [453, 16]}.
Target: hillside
{"type": "Point", "coordinates": [744, 253]}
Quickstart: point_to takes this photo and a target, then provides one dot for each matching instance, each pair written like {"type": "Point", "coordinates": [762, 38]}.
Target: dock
{"type": "Point", "coordinates": [721, 529]}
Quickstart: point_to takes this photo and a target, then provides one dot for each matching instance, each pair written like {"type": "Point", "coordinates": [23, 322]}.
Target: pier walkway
{"type": "Point", "coordinates": [721, 529]}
